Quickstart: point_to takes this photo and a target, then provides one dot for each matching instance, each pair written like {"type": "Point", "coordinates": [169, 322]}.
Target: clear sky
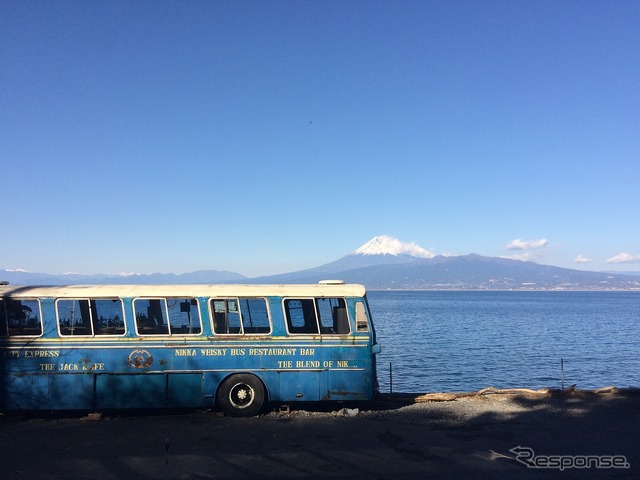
{"type": "Point", "coordinates": [264, 137]}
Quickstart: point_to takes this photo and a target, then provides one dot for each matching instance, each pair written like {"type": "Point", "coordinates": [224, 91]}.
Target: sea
{"type": "Point", "coordinates": [450, 341]}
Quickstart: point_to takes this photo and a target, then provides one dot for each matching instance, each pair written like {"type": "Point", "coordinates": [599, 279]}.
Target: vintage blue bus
{"type": "Point", "coordinates": [232, 347]}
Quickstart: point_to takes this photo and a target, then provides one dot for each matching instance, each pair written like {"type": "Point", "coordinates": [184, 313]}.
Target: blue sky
{"type": "Point", "coordinates": [266, 137]}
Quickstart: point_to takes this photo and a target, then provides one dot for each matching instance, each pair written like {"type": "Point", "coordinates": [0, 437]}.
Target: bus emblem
{"type": "Point", "coordinates": [140, 359]}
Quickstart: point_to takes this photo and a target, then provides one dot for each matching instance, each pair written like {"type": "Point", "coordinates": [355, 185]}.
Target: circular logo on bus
{"type": "Point", "coordinates": [140, 359]}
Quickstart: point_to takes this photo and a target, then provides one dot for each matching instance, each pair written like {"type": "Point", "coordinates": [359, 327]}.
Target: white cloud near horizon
{"type": "Point", "coordinates": [582, 259]}
{"type": "Point", "coordinates": [519, 244]}
{"type": "Point", "coordinates": [624, 257]}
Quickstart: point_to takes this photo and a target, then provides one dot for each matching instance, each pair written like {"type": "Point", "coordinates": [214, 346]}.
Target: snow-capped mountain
{"type": "Point", "coordinates": [386, 245]}
{"type": "Point", "coordinates": [382, 250]}
{"type": "Point", "coordinates": [385, 262]}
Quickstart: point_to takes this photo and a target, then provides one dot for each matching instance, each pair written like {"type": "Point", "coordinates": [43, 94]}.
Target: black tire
{"type": "Point", "coordinates": [241, 395]}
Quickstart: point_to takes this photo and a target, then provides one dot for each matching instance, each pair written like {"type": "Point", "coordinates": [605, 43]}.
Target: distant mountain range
{"type": "Point", "coordinates": [20, 277]}
{"type": "Point", "coordinates": [383, 263]}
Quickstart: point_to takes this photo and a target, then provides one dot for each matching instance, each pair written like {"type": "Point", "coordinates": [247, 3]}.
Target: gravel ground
{"type": "Point", "coordinates": [469, 437]}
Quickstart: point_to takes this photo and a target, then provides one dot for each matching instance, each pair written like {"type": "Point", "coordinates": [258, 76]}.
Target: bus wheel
{"type": "Point", "coordinates": [241, 395]}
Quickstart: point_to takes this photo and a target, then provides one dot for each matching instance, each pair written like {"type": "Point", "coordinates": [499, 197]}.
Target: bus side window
{"type": "Point", "coordinates": [240, 316]}
{"type": "Point", "coordinates": [362, 325]}
{"type": "Point", "coordinates": [151, 316]}
{"type": "Point", "coordinates": [90, 316]}
{"type": "Point", "coordinates": [220, 322]}
{"type": "Point", "coordinates": [107, 316]}
{"type": "Point", "coordinates": [333, 315]}
{"type": "Point", "coordinates": [3, 320]}
{"type": "Point", "coordinates": [184, 316]}
{"type": "Point", "coordinates": [226, 317]}
{"type": "Point", "coordinates": [21, 317]}
{"type": "Point", "coordinates": [301, 316]}
{"type": "Point", "coordinates": [255, 316]}
{"type": "Point", "coordinates": [74, 317]}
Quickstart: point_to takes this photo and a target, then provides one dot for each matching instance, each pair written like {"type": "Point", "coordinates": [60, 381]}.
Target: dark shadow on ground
{"type": "Point", "coordinates": [465, 438]}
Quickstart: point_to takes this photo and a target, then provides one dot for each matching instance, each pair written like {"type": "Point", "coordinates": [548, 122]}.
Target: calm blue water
{"type": "Point", "coordinates": [465, 341]}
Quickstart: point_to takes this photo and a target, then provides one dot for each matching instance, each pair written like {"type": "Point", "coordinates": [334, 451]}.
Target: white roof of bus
{"type": "Point", "coordinates": [113, 291]}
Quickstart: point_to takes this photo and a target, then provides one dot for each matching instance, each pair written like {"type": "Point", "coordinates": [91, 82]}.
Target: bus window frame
{"type": "Point", "coordinates": [321, 329]}
{"type": "Point", "coordinates": [92, 321]}
{"type": "Point", "coordinates": [6, 319]}
{"type": "Point", "coordinates": [287, 317]}
{"type": "Point", "coordinates": [241, 332]}
{"type": "Point", "coordinates": [363, 317]}
{"type": "Point", "coordinates": [333, 328]}
{"type": "Point", "coordinates": [170, 330]}
{"type": "Point", "coordinates": [179, 300]}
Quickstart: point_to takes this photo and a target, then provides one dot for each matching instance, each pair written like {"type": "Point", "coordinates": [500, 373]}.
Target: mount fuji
{"type": "Point", "coordinates": [386, 245]}
{"type": "Point", "coordinates": [385, 262]}
{"type": "Point", "coordinates": [379, 251]}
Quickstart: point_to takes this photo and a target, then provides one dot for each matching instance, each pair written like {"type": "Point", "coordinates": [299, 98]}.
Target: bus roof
{"type": "Point", "coordinates": [199, 290]}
